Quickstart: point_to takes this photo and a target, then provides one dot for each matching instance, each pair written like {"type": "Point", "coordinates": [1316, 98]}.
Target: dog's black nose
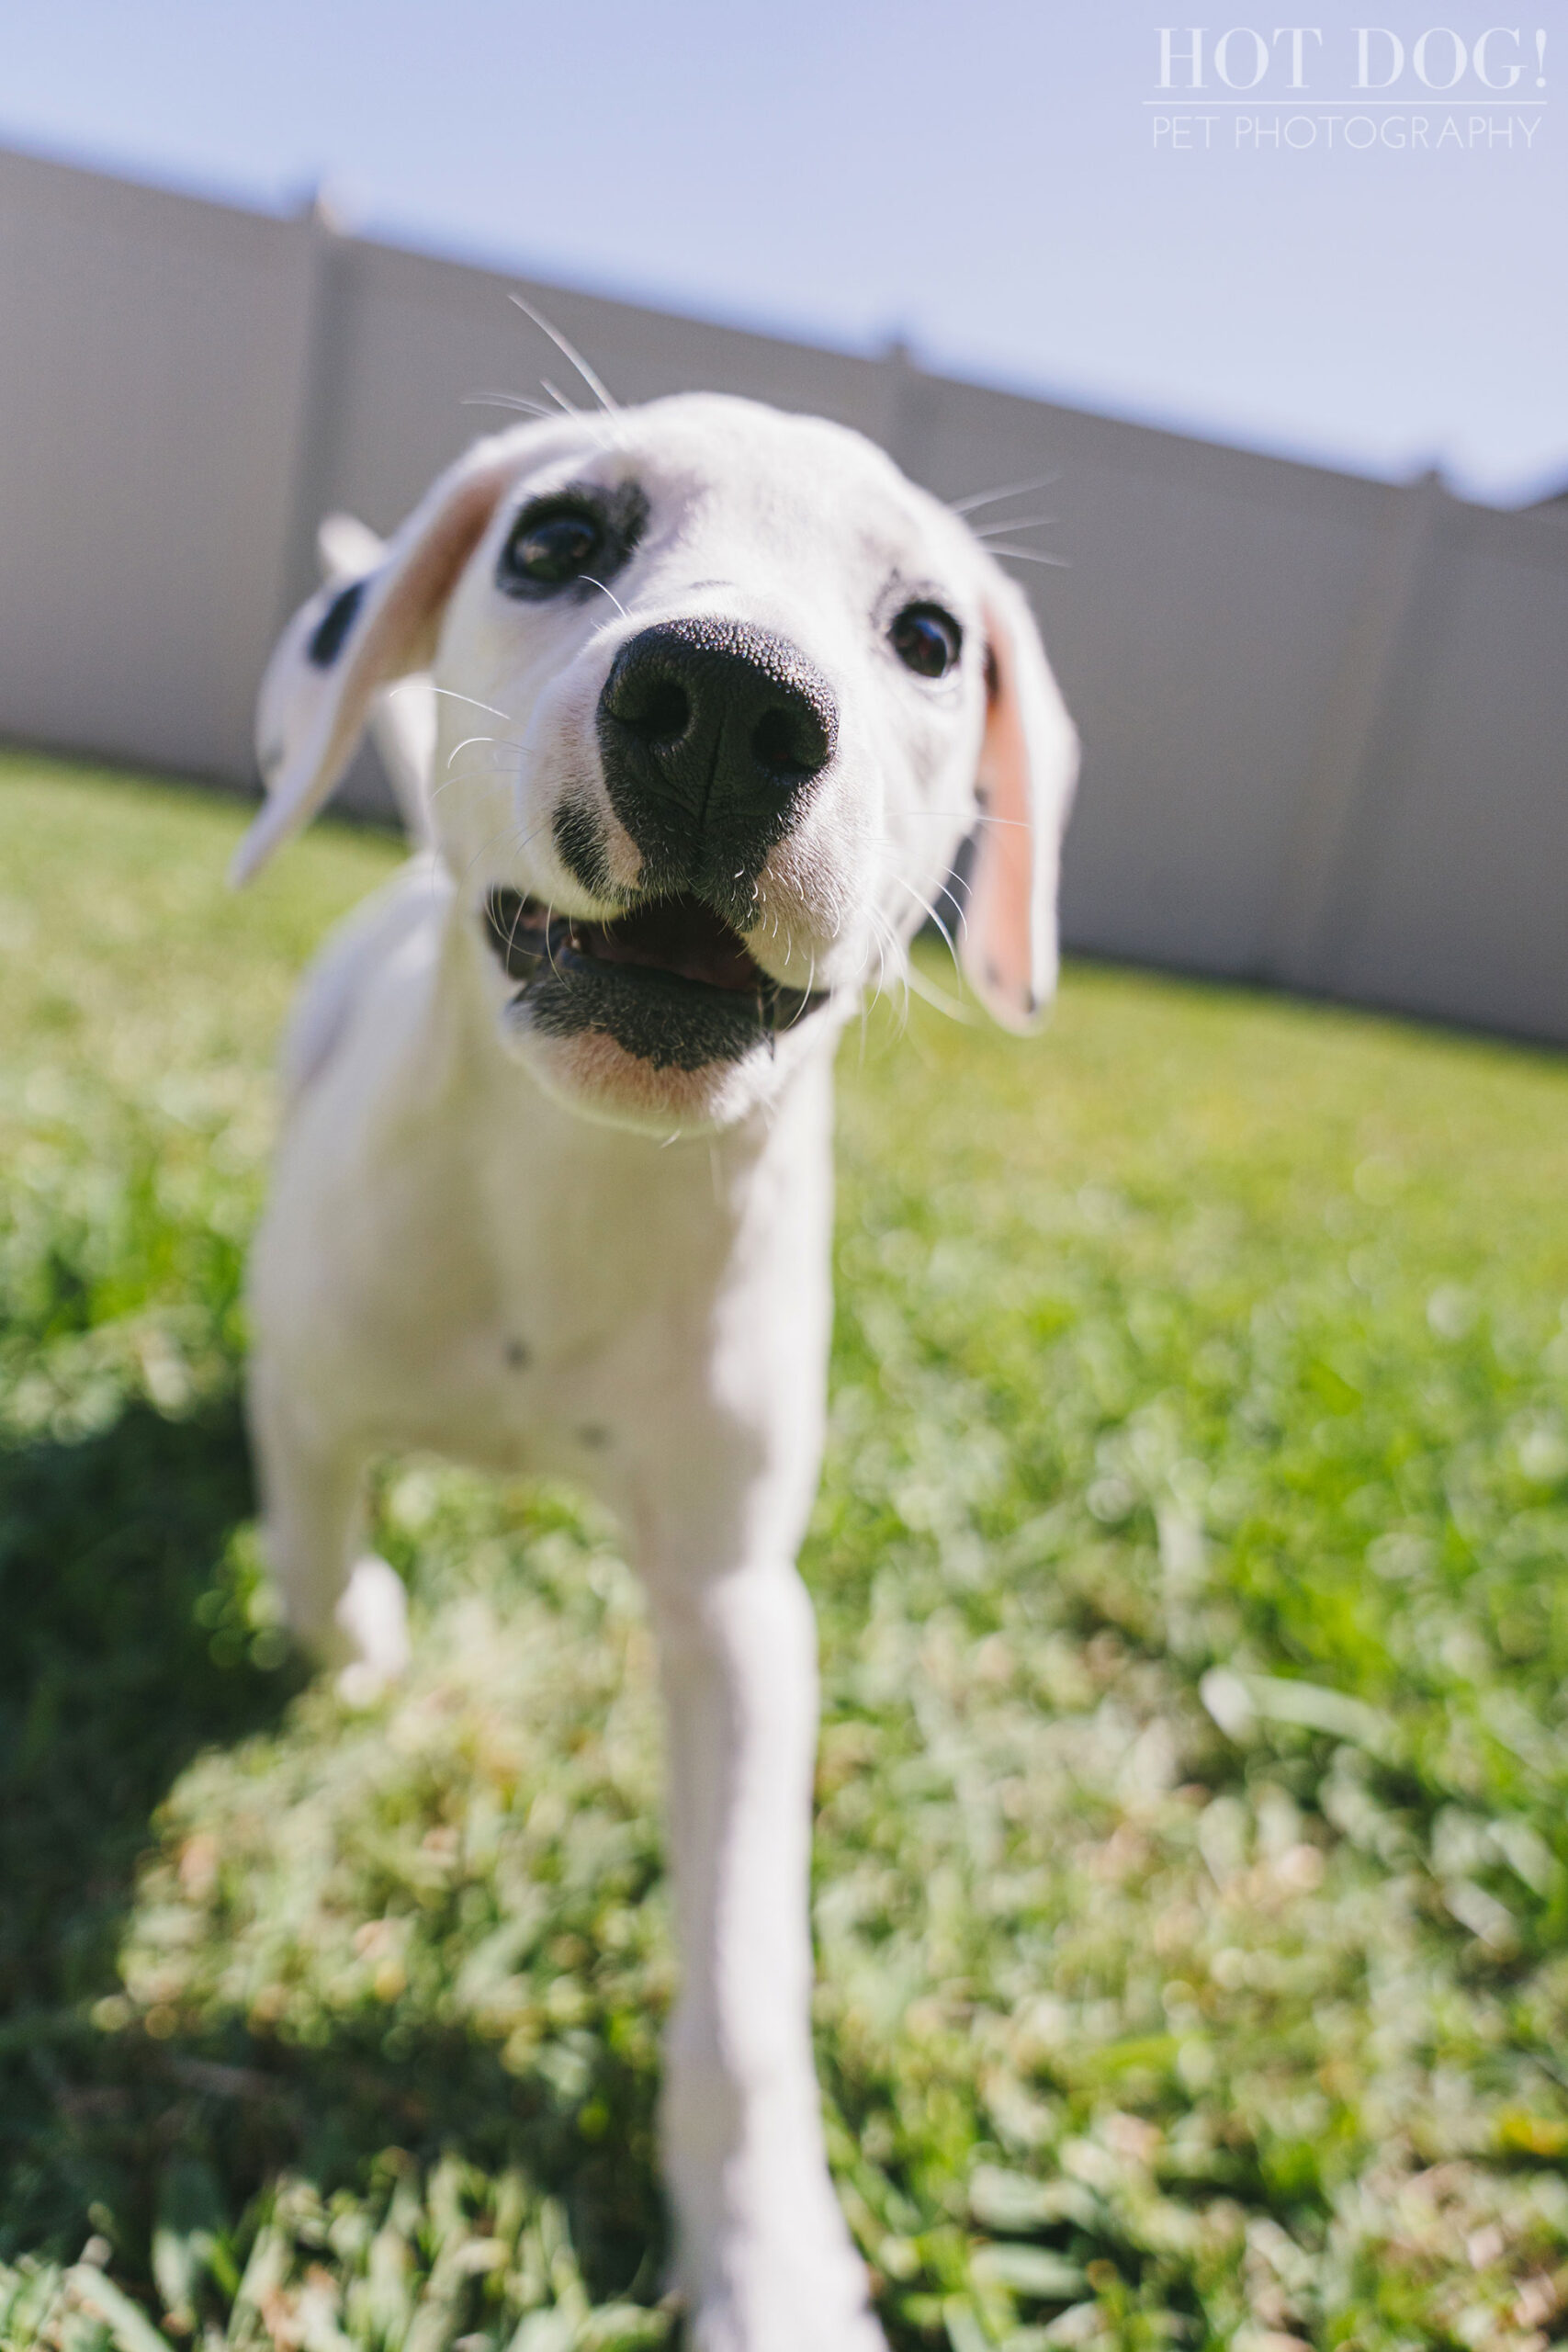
{"type": "Point", "coordinates": [711, 733]}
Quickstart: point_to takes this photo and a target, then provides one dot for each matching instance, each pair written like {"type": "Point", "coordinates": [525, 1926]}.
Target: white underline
{"type": "Point", "coordinates": [1305, 98]}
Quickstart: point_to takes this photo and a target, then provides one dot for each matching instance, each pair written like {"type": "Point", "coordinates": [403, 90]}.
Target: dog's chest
{"type": "Point", "coordinates": [453, 1261]}
{"type": "Point", "coordinates": [512, 1285]}
{"type": "Point", "coordinates": [597, 1248]}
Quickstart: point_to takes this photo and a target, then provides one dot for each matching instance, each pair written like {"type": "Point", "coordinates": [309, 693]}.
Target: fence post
{"type": "Point", "coordinates": [1357, 743]}
{"type": "Point", "coordinates": [900, 376]}
{"type": "Point", "coordinates": [318, 402]}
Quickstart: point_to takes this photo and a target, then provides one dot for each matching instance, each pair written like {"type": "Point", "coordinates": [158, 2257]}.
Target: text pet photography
{"type": "Point", "coordinates": [1295, 88]}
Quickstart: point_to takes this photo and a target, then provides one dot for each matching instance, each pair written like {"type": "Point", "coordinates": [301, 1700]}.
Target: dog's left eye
{"type": "Point", "coordinates": [548, 548]}
{"type": "Point", "coordinates": [925, 640]}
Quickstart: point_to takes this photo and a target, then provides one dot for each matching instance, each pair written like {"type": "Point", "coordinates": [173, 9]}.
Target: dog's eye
{"type": "Point", "coordinates": [548, 548]}
{"type": "Point", "coordinates": [925, 640]}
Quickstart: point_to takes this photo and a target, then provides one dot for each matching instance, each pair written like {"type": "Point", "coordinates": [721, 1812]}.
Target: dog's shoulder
{"type": "Point", "coordinates": [415, 900]}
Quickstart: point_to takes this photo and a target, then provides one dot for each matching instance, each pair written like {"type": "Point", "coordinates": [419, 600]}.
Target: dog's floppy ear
{"type": "Point", "coordinates": [355, 637]}
{"type": "Point", "coordinates": [402, 716]}
{"type": "Point", "coordinates": [1029, 761]}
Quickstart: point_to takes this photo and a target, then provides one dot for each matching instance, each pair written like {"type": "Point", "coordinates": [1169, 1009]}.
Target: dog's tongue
{"type": "Point", "coordinates": [677, 935]}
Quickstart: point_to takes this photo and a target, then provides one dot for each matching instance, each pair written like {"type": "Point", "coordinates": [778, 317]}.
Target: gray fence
{"type": "Point", "coordinates": [1325, 718]}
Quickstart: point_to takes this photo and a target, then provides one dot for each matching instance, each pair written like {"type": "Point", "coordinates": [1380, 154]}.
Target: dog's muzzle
{"type": "Point", "coordinates": [669, 979]}
{"type": "Point", "coordinates": [711, 734]}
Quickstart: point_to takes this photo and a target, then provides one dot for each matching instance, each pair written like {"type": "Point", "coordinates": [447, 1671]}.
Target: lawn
{"type": "Point", "coordinates": [1192, 1849]}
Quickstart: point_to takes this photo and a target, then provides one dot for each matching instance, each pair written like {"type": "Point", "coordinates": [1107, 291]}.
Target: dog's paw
{"type": "Point", "coordinates": [721, 2327]}
{"type": "Point", "coordinates": [372, 1614]}
{"type": "Point", "coordinates": [803, 2293]}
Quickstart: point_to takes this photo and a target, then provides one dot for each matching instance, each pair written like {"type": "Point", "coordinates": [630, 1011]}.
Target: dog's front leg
{"type": "Point", "coordinates": [346, 1608]}
{"type": "Point", "coordinates": [763, 2255]}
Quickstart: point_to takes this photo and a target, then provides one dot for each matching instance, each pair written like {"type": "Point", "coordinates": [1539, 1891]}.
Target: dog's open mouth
{"type": "Point", "coordinates": [670, 980]}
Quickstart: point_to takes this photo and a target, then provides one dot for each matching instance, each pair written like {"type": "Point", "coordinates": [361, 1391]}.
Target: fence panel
{"type": "Point", "coordinates": [151, 357]}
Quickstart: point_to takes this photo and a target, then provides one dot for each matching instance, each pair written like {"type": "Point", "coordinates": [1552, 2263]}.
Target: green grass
{"type": "Point", "coordinates": [1192, 1847]}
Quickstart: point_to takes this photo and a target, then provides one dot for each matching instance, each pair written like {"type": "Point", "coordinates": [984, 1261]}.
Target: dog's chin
{"type": "Point", "coordinates": [593, 1074]}
{"type": "Point", "coordinates": [658, 1020]}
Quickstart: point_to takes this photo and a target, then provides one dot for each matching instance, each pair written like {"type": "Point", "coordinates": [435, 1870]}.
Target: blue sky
{"type": "Point", "coordinates": [981, 177]}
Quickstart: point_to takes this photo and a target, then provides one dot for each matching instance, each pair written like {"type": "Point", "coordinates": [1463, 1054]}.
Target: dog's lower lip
{"type": "Point", "coordinates": [678, 938]}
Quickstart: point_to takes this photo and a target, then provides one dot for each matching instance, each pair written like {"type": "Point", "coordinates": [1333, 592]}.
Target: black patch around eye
{"type": "Point", "coordinates": [327, 637]}
{"type": "Point", "coordinates": [925, 640]}
{"type": "Point", "coordinates": [577, 535]}
{"type": "Point", "coordinates": [548, 551]}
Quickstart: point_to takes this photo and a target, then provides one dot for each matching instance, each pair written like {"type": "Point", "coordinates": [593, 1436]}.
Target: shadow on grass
{"type": "Point", "coordinates": [116, 1668]}
{"type": "Point", "coordinates": [111, 1552]}
{"type": "Point", "coordinates": [136, 2126]}
{"type": "Point", "coordinates": [124, 1653]}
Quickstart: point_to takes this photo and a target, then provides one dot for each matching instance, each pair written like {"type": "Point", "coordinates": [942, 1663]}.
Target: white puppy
{"type": "Point", "coordinates": [720, 696]}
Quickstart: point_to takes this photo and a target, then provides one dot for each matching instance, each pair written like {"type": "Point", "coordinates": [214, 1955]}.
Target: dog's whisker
{"type": "Point", "coordinates": [570, 354]}
{"type": "Point", "coordinates": [549, 938]}
{"type": "Point", "coordinates": [979, 498]}
{"type": "Point", "coordinates": [960, 907]}
{"type": "Point", "coordinates": [967, 818]}
{"type": "Point", "coordinates": [1028, 555]}
{"type": "Point", "coordinates": [926, 907]}
{"type": "Point", "coordinates": [881, 945]}
{"type": "Point", "coordinates": [479, 775]}
{"type": "Point", "coordinates": [451, 695]}
{"type": "Point", "coordinates": [960, 911]}
{"type": "Point", "coordinates": [615, 600]}
{"type": "Point", "coordinates": [566, 408]}
{"type": "Point", "coordinates": [498, 744]}
{"type": "Point", "coordinates": [970, 817]}
{"type": "Point", "coordinates": [902, 969]}
{"type": "Point", "coordinates": [886, 939]}
{"type": "Point", "coordinates": [512, 932]}
{"type": "Point", "coordinates": [951, 1007]}
{"type": "Point", "coordinates": [1014, 522]}
{"type": "Point", "coordinates": [513, 400]}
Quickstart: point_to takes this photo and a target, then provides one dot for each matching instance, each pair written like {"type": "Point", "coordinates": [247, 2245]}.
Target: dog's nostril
{"type": "Point", "coordinates": [661, 712]}
{"type": "Point", "coordinates": [787, 744]}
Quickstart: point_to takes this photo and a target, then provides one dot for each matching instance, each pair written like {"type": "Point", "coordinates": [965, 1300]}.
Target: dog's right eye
{"type": "Point", "coordinates": [549, 547]}
{"type": "Point", "coordinates": [925, 640]}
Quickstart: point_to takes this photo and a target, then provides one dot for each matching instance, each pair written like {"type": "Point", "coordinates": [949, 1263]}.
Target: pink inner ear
{"type": "Point", "coordinates": [1001, 919]}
